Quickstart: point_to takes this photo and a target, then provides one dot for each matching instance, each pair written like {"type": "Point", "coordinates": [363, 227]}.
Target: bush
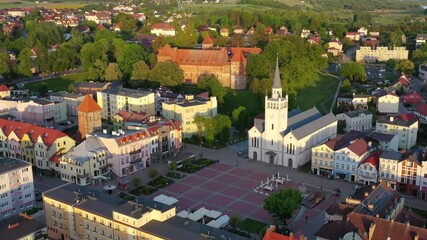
{"type": "Point", "coordinates": [142, 190]}
{"type": "Point", "coordinates": [175, 175]}
{"type": "Point", "coordinates": [32, 211]}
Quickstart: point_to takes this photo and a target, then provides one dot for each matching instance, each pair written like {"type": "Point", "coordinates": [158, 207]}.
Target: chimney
{"type": "Point", "coordinates": [391, 119]}
{"type": "Point", "coordinates": [291, 236]}
{"type": "Point", "coordinates": [371, 231]}
{"type": "Point", "coordinates": [371, 206]}
{"type": "Point", "coordinates": [366, 194]}
{"type": "Point", "coordinates": [373, 186]}
{"type": "Point", "coordinates": [416, 236]}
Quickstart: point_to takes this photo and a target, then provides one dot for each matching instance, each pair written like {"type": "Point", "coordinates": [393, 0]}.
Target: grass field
{"type": "Point", "coordinates": [251, 225]}
{"type": "Point", "coordinates": [234, 99]}
{"type": "Point", "coordinates": [58, 84]}
{"type": "Point", "coordinates": [23, 3]}
{"type": "Point", "coordinates": [320, 96]}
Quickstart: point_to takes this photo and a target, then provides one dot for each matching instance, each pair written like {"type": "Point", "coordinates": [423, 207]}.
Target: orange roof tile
{"type": "Point", "coordinates": [208, 39]}
{"type": "Point", "coordinates": [4, 88]}
{"type": "Point", "coordinates": [88, 105]}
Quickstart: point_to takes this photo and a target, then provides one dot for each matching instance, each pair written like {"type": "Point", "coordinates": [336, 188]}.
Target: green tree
{"type": "Point", "coordinates": [240, 118]}
{"type": "Point", "coordinates": [45, 34]}
{"type": "Point", "coordinates": [235, 221]}
{"type": "Point", "coordinates": [390, 65]}
{"type": "Point", "coordinates": [405, 66]}
{"type": "Point", "coordinates": [91, 52]}
{"type": "Point", "coordinates": [354, 71]}
{"type": "Point", "coordinates": [25, 62]}
{"type": "Point", "coordinates": [420, 55]}
{"type": "Point", "coordinates": [136, 181]}
{"type": "Point", "coordinates": [214, 86]}
{"type": "Point", "coordinates": [341, 126]}
{"type": "Point", "coordinates": [261, 86]}
{"type": "Point", "coordinates": [167, 73]}
{"type": "Point", "coordinates": [153, 173]}
{"type": "Point", "coordinates": [199, 121]}
{"type": "Point", "coordinates": [173, 166]}
{"type": "Point", "coordinates": [345, 86]}
{"type": "Point", "coordinates": [113, 73]}
{"type": "Point", "coordinates": [126, 55]}
{"type": "Point", "coordinates": [222, 128]}
{"type": "Point", "coordinates": [97, 72]}
{"type": "Point", "coordinates": [126, 22]}
{"type": "Point", "coordinates": [5, 70]}
{"type": "Point", "coordinates": [283, 203]}
{"type": "Point", "coordinates": [396, 38]}
{"type": "Point", "coordinates": [140, 71]}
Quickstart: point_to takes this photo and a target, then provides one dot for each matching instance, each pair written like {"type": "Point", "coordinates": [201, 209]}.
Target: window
{"type": "Point", "coordinates": [272, 126]}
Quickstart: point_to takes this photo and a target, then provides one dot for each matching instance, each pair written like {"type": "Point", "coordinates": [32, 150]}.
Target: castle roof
{"type": "Point", "coordinates": [88, 105]}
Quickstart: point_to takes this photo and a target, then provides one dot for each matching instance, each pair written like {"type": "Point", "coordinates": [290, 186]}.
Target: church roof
{"type": "Point", "coordinates": [277, 82]}
{"type": "Point", "coordinates": [88, 105]}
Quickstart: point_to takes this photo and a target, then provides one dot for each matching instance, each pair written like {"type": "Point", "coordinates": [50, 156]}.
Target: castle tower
{"type": "Point", "coordinates": [89, 116]}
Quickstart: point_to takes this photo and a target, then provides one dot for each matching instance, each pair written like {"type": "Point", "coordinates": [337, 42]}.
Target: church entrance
{"type": "Point", "coordinates": [255, 157]}
{"type": "Point", "coordinates": [290, 161]}
{"type": "Point", "coordinates": [271, 159]}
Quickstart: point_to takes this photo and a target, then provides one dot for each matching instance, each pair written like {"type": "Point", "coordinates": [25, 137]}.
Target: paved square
{"type": "Point", "coordinates": [222, 187]}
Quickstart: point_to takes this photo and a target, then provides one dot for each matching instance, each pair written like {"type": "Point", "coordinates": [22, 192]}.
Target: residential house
{"type": "Point", "coordinates": [282, 31]}
{"type": "Point", "coordinates": [164, 94]}
{"type": "Point", "coordinates": [124, 118]}
{"type": "Point", "coordinates": [99, 17]}
{"type": "Point", "coordinates": [387, 102]}
{"type": "Point", "coordinates": [404, 125]}
{"type": "Point", "coordinates": [421, 113]}
{"type": "Point", "coordinates": [360, 120]}
{"type": "Point", "coordinates": [314, 39]}
{"type": "Point", "coordinates": [119, 98]}
{"type": "Point", "coordinates": [422, 72]}
{"type": "Point", "coordinates": [381, 54]}
{"type": "Point", "coordinates": [363, 31]}
{"type": "Point", "coordinates": [23, 227]}
{"type": "Point", "coordinates": [76, 212]}
{"type": "Point", "coordinates": [228, 64]}
{"type": "Point", "coordinates": [385, 141]}
{"type": "Point", "coordinates": [404, 83]}
{"type": "Point", "coordinates": [413, 98]}
{"type": "Point", "coordinates": [410, 172]}
{"type": "Point", "coordinates": [72, 101]}
{"type": "Point", "coordinates": [16, 12]}
{"type": "Point", "coordinates": [420, 39]}
{"type": "Point", "coordinates": [374, 34]}
{"type": "Point", "coordinates": [353, 36]}
{"type": "Point", "coordinates": [389, 163]}
{"type": "Point", "coordinates": [86, 163]}
{"type": "Point", "coordinates": [163, 29]}
{"type": "Point", "coordinates": [335, 47]}
{"type": "Point", "coordinates": [17, 187]}
{"type": "Point", "coordinates": [360, 101]}
{"type": "Point", "coordinates": [224, 32]}
{"type": "Point", "coordinates": [238, 30]}
{"type": "Point", "coordinates": [347, 159]}
{"type": "Point", "coordinates": [4, 92]}
{"type": "Point", "coordinates": [367, 173]}
{"type": "Point", "coordinates": [305, 33]}
{"type": "Point", "coordinates": [274, 233]}
{"type": "Point", "coordinates": [185, 111]}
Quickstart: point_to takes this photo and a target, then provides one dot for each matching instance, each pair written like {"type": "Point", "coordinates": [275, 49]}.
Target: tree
{"type": "Point", "coordinates": [153, 173]}
{"type": "Point", "coordinates": [97, 72]}
{"type": "Point", "coordinates": [126, 55]}
{"type": "Point", "coordinates": [235, 221]}
{"type": "Point", "coordinates": [239, 117]}
{"type": "Point", "coordinates": [113, 73]}
{"type": "Point", "coordinates": [405, 66]}
{"type": "Point", "coordinates": [354, 71]}
{"type": "Point", "coordinates": [396, 38]}
{"type": "Point", "coordinates": [25, 62]}
{"type": "Point", "coordinates": [140, 71]}
{"type": "Point", "coordinates": [345, 86]}
{"type": "Point", "coordinates": [222, 129]}
{"type": "Point", "coordinates": [199, 121]}
{"type": "Point", "coordinates": [283, 203]}
{"type": "Point", "coordinates": [173, 166]}
{"type": "Point", "coordinates": [167, 73]}
{"type": "Point", "coordinates": [136, 181]}
{"type": "Point", "coordinates": [126, 22]}
{"type": "Point", "coordinates": [213, 85]}
{"type": "Point", "coordinates": [5, 70]}
{"type": "Point", "coordinates": [390, 65]}
{"type": "Point", "coordinates": [261, 86]}
{"type": "Point", "coordinates": [45, 34]}
{"type": "Point", "coordinates": [341, 125]}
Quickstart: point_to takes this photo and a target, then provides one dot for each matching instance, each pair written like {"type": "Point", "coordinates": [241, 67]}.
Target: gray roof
{"type": "Point", "coordinates": [25, 227]}
{"type": "Point", "coordinates": [308, 122]}
{"type": "Point", "coordinates": [92, 84]}
{"type": "Point", "coordinates": [85, 150]}
{"type": "Point", "coordinates": [181, 228]}
{"type": "Point", "coordinates": [422, 35]}
{"type": "Point", "coordinates": [67, 95]}
{"type": "Point", "coordinates": [127, 92]}
{"type": "Point", "coordinates": [11, 164]}
{"type": "Point", "coordinates": [356, 113]}
{"type": "Point", "coordinates": [382, 137]}
{"type": "Point", "coordinates": [392, 155]}
{"type": "Point", "coordinates": [43, 101]}
{"type": "Point", "coordinates": [277, 82]}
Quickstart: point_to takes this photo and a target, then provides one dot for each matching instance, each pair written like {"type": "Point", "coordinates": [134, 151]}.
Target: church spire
{"type": "Point", "coordinates": [277, 82]}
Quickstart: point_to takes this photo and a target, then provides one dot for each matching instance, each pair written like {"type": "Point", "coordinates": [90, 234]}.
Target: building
{"type": "Point", "coordinates": [287, 141]}
{"type": "Point", "coordinates": [163, 29]}
{"type": "Point", "coordinates": [224, 32]}
{"type": "Point", "coordinates": [410, 172]}
{"type": "Point", "coordinates": [353, 36]}
{"type": "Point", "coordinates": [16, 12]}
{"type": "Point", "coordinates": [89, 116]}
{"type": "Point", "coordinates": [72, 101]}
{"type": "Point", "coordinates": [123, 117]}
{"type": "Point", "coordinates": [348, 158]}
{"type": "Point", "coordinates": [227, 64]}
{"type": "Point", "coordinates": [367, 172]}
{"type": "Point", "coordinates": [274, 233]}
{"type": "Point", "coordinates": [413, 98]}
{"type": "Point", "coordinates": [93, 87]}
{"type": "Point", "coordinates": [17, 187]}
{"type": "Point", "coordinates": [381, 54]}
{"type": "Point", "coordinates": [360, 101]}
{"type": "Point", "coordinates": [404, 125]}
{"type": "Point", "coordinates": [387, 102]}
{"type": "Point", "coordinates": [363, 31]}
{"type": "Point", "coordinates": [74, 212]}
{"type": "Point", "coordinates": [4, 92]}
{"type": "Point", "coordinates": [22, 227]}
{"type": "Point", "coordinates": [37, 145]}
{"type": "Point", "coordinates": [420, 39]}
{"type": "Point", "coordinates": [360, 120]}
{"type": "Point", "coordinates": [185, 110]}
{"type": "Point", "coordinates": [389, 163]}
{"type": "Point", "coordinates": [404, 83]}
{"type": "Point", "coordinates": [421, 113]}
{"type": "Point", "coordinates": [119, 98]}
{"type": "Point", "coordinates": [99, 17]}
{"type": "Point", "coordinates": [305, 33]}
{"type": "Point", "coordinates": [422, 72]}
{"type": "Point", "coordinates": [385, 141]}
{"type": "Point", "coordinates": [335, 47]}
{"type": "Point", "coordinates": [89, 162]}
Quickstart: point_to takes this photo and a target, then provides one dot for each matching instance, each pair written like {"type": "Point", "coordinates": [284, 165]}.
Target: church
{"type": "Point", "coordinates": [285, 138]}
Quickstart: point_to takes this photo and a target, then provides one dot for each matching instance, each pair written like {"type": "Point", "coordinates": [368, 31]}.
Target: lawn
{"type": "Point", "coordinates": [59, 83]}
{"type": "Point", "coordinates": [320, 96]}
{"type": "Point", "coordinates": [175, 175]}
{"type": "Point", "coordinates": [252, 226]}
{"type": "Point", "coordinates": [253, 103]}
{"type": "Point", "coordinates": [142, 190]}
{"type": "Point", "coordinates": [160, 182]}
{"type": "Point", "coordinates": [126, 196]}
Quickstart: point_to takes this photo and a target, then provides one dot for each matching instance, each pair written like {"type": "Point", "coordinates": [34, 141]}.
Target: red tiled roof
{"type": "Point", "coordinates": [408, 117]}
{"type": "Point", "coordinates": [163, 25]}
{"type": "Point", "coordinates": [422, 109]}
{"type": "Point", "coordinates": [413, 97]}
{"type": "Point", "coordinates": [132, 116]}
{"type": "Point", "coordinates": [359, 147]}
{"type": "Point", "coordinates": [4, 88]}
{"type": "Point", "coordinates": [88, 105]}
{"type": "Point", "coordinates": [48, 135]}
{"type": "Point", "coordinates": [403, 80]}
{"type": "Point", "coordinates": [373, 159]}
{"type": "Point", "coordinates": [208, 39]}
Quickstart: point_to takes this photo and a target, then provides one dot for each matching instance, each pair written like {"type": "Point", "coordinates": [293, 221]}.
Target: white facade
{"type": "Point", "coordinates": [367, 173]}
{"type": "Point", "coordinates": [388, 103]}
{"type": "Point", "coordinates": [72, 101]}
{"type": "Point", "coordinates": [363, 31]}
{"type": "Point", "coordinates": [359, 120]}
{"type": "Point", "coordinates": [381, 54]}
{"type": "Point", "coordinates": [406, 130]}
{"type": "Point", "coordinates": [288, 141]}
{"type": "Point", "coordinates": [16, 187]}
{"type": "Point", "coordinates": [389, 161]}
{"type": "Point", "coordinates": [422, 72]}
{"type": "Point", "coordinates": [347, 160]}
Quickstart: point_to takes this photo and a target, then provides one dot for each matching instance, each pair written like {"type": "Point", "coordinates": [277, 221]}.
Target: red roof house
{"type": "Point", "coordinates": [412, 98]}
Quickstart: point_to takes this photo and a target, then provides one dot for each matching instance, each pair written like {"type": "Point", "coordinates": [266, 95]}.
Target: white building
{"type": "Point", "coordinates": [404, 125]}
{"type": "Point", "coordinates": [72, 101]}
{"type": "Point", "coordinates": [163, 29]}
{"type": "Point", "coordinates": [86, 163]}
{"type": "Point", "coordinates": [305, 33]}
{"type": "Point", "coordinates": [356, 120]}
{"type": "Point", "coordinates": [368, 169]}
{"type": "Point", "coordinates": [420, 39]}
{"type": "Point", "coordinates": [363, 31]}
{"type": "Point", "coordinates": [381, 54]}
{"type": "Point", "coordinates": [16, 187]}
{"type": "Point", "coordinates": [119, 98]}
{"type": "Point", "coordinates": [287, 141]}
{"type": "Point", "coordinates": [388, 102]}
{"type": "Point", "coordinates": [347, 159]}
{"type": "Point", "coordinates": [422, 72]}
{"type": "Point", "coordinates": [389, 161]}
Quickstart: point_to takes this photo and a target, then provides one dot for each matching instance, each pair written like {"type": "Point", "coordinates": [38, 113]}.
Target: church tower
{"type": "Point", "coordinates": [276, 109]}
{"type": "Point", "coordinates": [89, 116]}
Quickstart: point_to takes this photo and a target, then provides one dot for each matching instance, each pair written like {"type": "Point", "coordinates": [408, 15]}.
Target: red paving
{"type": "Point", "coordinates": [213, 186]}
{"type": "Point", "coordinates": [255, 198]}
{"type": "Point", "coordinates": [207, 173]}
{"type": "Point", "coordinates": [185, 203]}
{"type": "Point", "coordinates": [229, 179]}
{"type": "Point", "coordinates": [240, 172]}
{"type": "Point", "coordinates": [220, 201]}
{"type": "Point", "coordinates": [243, 207]}
{"type": "Point", "coordinates": [220, 167]}
{"type": "Point", "coordinates": [198, 194]}
{"type": "Point", "coordinates": [193, 180]}
{"type": "Point", "coordinates": [178, 188]}
{"type": "Point", "coordinates": [234, 192]}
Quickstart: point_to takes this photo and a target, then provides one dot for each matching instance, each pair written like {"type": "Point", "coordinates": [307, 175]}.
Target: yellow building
{"type": "Point", "coordinates": [186, 110]}
{"type": "Point", "coordinates": [74, 212]}
{"type": "Point", "coordinates": [119, 98]}
{"type": "Point", "coordinates": [381, 54]}
{"type": "Point", "coordinates": [4, 92]}
{"type": "Point", "coordinates": [322, 158]}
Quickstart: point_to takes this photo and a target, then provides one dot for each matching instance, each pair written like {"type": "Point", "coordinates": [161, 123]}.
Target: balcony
{"type": "Point", "coordinates": [82, 175]}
